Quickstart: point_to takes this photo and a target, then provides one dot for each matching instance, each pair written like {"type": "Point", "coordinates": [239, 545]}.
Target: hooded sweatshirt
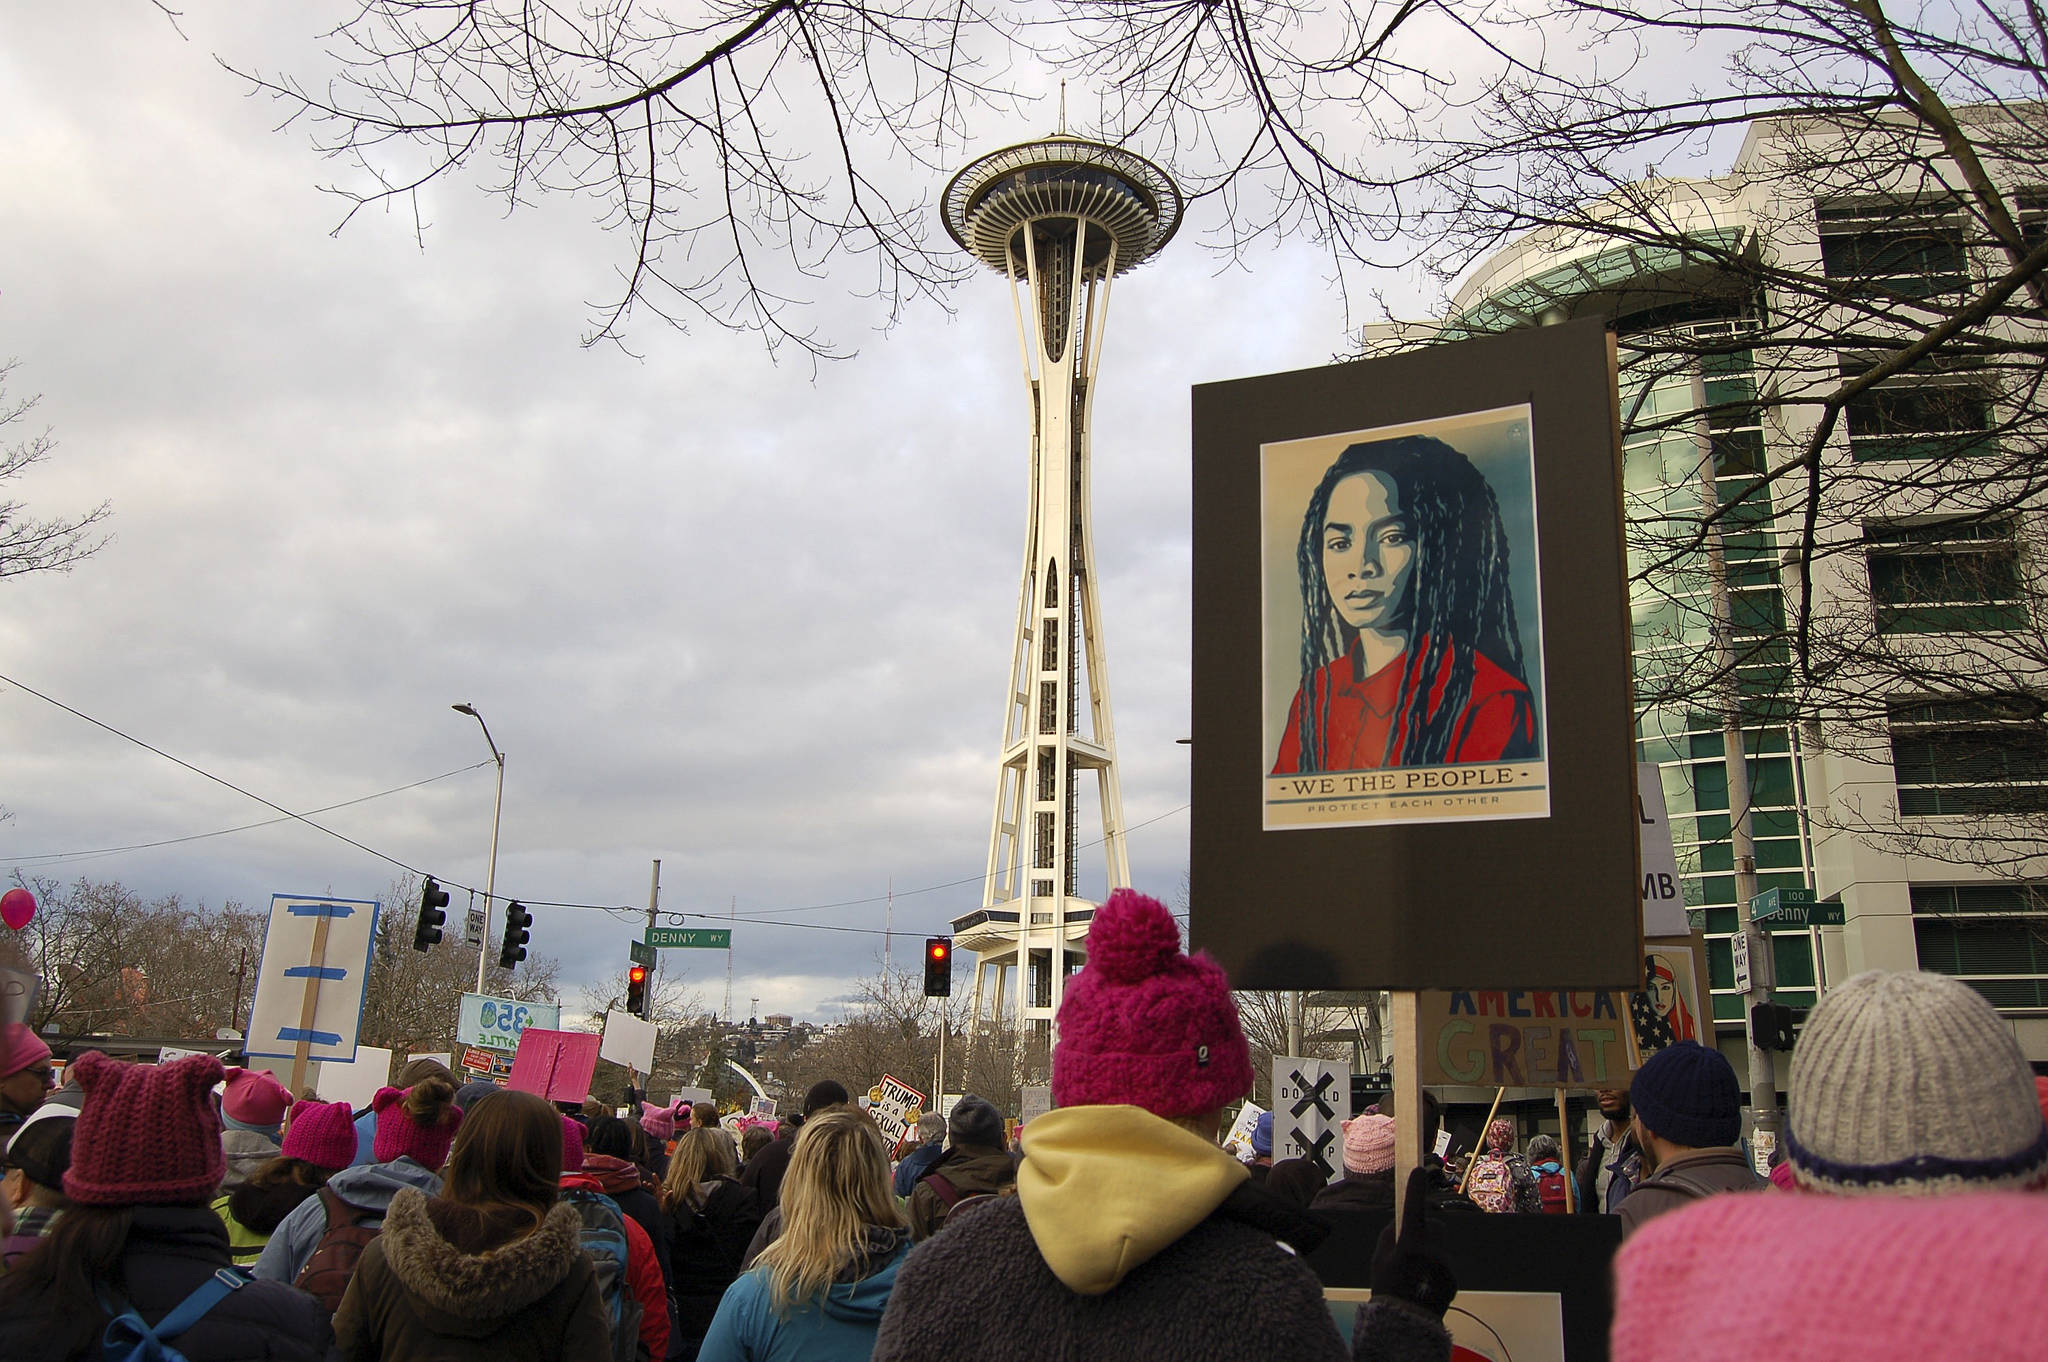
{"type": "Point", "coordinates": [368, 1185]}
{"type": "Point", "coordinates": [452, 1283]}
{"type": "Point", "coordinates": [1128, 1237]}
{"type": "Point", "coordinates": [837, 1327]}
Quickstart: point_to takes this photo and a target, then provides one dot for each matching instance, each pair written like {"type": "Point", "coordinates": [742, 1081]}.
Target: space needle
{"type": "Point", "coordinates": [1058, 219]}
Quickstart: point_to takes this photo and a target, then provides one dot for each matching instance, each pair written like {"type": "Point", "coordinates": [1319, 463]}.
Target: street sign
{"type": "Point", "coordinates": [640, 953]}
{"type": "Point", "coordinates": [473, 927]}
{"type": "Point", "coordinates": [1738, 948]}
{"type": "Point", "coordinates": [477, 1059]}
{"type": "Point", "coordinates": [702, 938]}
{"type": "Point", "coordinates": [1793, 908]}
{"type": "Point", "coordinates": [497, 1023]}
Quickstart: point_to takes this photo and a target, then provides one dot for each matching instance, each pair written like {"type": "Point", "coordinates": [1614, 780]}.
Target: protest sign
{"type": "Point", "coordinates": [1237, 1141]}
{"type": "Point", "coordinates": [1663, 900]}
{"type": "Point", "coordinates": [355, 1083]}
{"type": "Point", "coordinates": [1310, 1099]}
{"type": "Point", "coordinates": [896, 1107]}
{"type": "Point", "coordinates": [557, 1065]}
{"type": "Point", "coordinates": [1542, 1038]}
{"type": "Point", "coordinates": [1414, 854]}
{"type": "Point", "coordinates": [629, 1041]}
{"type": "Point", "coordinates": [1522, 1038]}
{"type": "Point", "coordinates": [309, 987]}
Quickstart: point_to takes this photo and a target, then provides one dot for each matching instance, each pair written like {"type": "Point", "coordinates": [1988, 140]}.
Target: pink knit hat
{"type": "Point", "coordinates": [321, 1133]}
{"type": "Point", "coordinates": [1369, 1144]}
{"type": "Point", "coordinates": [1878, 1279]}
{"type": "Point", "coordinates": [1144, 1025]}
{"type": "Point", "coordinates": [660, 1122]}
{"type": "Point", "coordinates": [399, 1135]}
{"type": "Point", "coordinates": [254, 1098]}
{"type": "Point", "coordinates": [572, 1145]}
{"type": "Point", "coordinates": [147, 1134]}
{"type": "Point", "coordinates": [20, 1048]}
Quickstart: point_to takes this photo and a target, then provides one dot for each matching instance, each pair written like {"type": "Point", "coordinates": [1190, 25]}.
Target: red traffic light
{"type": "Point", "coordinates": [939, 949]}
{"type": "Point", "coordinates": [637, 974]}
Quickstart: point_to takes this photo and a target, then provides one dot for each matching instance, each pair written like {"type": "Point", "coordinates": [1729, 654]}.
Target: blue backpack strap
{"type": "Point", "coordinates": [127, 1335]}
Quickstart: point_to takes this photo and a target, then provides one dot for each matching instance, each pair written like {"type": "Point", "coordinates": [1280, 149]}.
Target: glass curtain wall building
{"type": "Point", "coordinates": [1870, 788]}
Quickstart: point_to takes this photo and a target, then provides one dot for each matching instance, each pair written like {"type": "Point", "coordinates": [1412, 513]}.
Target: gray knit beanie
{"type": "Point", "coordinates": [1910, 1083]}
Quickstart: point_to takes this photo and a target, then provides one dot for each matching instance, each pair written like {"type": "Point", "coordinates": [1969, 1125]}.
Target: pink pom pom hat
{"type": "Point", "coordinates": [1146, 1025]}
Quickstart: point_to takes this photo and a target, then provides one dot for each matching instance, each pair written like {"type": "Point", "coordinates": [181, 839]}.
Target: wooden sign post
{"type": "Point", "coordinates": [315, 971]}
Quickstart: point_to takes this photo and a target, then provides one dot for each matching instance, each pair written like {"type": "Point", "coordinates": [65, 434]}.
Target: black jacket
{"type": "Point", "coordinates": [764, 1171]}
{"type": "Point", "coordinates": [1375, 1192]}
{"type": "Point", "coordinates": [171, 1251]}
{"type": "Point", "coordinates": [704, 1255]}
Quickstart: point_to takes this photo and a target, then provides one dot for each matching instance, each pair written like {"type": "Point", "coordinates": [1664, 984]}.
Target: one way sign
{"type": "Point", "coordinates": [1311, 1098]}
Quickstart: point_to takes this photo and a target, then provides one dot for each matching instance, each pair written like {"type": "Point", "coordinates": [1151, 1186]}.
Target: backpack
{"type": "Point", "coordinates": [604, 1239]}
{"type": "Point", "coordinates": [1492, 1185]}
{"type": "Point", "coordinates": [326, 1274]}
{"type": "Point", "coordinates": [129, 1339]}
{"type": "Point", "coordinates": [950, 1198]}
{"type": "Point", "coordinates": [1551, 1192]}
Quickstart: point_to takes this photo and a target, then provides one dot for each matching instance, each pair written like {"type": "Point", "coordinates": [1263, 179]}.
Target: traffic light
{"type": "Point", "coordinates": [433, 898]}
{"type": "Point", "coordinates": [636, 991]}
{"type": "Point", "coordinates": [517, 920]}
{"type": "Point", "coordinates": [1771, 1025]}
{"type": "Point", "coordinates": [938, 967]}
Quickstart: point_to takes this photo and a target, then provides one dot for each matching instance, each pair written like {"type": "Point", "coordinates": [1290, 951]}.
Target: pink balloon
{"type": "Point", "coordinates": [17, 906]}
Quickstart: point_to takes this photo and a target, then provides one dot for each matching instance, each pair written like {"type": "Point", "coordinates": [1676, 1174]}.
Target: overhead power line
{"type": "Point", "coordinates": [760, 917]}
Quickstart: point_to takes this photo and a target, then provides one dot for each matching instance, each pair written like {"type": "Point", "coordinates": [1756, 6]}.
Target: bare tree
{"type": "Point", "coordinates": [28, 544]}
{"type": "Point", "coordinates": [740, 152]}
{"type": "Point", "coordinates": [113, 963]}
{"type": "Point", "coordinates": [889, 1027]}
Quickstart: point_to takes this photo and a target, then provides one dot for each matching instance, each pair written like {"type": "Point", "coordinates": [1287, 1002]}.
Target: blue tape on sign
{"type": "Point", "coordinates": [320, 910]}
{"type": "Point", "coordinates": [295, 1034]}
{"type": "Point", "coordinates": [316, 972]}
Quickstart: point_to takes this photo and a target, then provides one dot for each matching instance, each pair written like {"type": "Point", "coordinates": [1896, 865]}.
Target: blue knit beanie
{"type": "Point", "coordinates": [1262, 1136]}
{"type": "Point", "coordinates": [1687, 1094]}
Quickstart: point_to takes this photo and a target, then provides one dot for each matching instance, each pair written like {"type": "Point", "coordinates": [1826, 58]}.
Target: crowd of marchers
{"type": "Point", "coordinates": [184, 1210]}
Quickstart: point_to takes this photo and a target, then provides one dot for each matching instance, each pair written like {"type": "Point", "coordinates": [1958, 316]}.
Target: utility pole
{"type": "Point", "coordinates": [653, 898]}
{"type": "Point", "coordinates": [1763, 1088]}
{"type": "Point", "coordinates": [235, 1008]}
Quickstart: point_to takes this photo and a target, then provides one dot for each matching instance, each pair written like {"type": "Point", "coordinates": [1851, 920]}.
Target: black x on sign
{"type": "Point", "coordinates": [1312, 1095]}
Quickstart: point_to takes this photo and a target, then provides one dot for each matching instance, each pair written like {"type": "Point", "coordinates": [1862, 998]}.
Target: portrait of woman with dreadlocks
{"type": "Point", "coordinates": [1410, 653]}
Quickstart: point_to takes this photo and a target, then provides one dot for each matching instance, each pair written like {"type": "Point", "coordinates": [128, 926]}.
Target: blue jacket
{"type": "Point", "coordinates": [914, 1166]}
{"type": "Point", "coordinates": [839, 1328]}
{"type": "Point", "coordinates": [369, 1185]}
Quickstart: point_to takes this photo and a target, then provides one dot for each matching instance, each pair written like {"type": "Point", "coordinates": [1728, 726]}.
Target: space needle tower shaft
{"type": "Point", "coordinates": [1059, 219]}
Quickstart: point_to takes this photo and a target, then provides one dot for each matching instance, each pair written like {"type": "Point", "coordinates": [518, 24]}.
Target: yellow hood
{"type": "Point", "coordinates": [1106, 1188]}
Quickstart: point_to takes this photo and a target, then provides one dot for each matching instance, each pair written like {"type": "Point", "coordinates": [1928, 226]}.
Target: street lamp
{"type": "Point", "coordinates": [483, 945]}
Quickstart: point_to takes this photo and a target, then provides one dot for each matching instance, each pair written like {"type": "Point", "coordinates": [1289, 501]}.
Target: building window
{"type": "Point", "coordinates": [1994, 937]}
{"type": "Point", "coordinates": [1913, 249]}
{"type": "Point", "coordinates": [1985, 755]}
{"type": "Point", "coordinates": [1920, 421]}
{"type": "Point", "coordinates": [1951, 577]}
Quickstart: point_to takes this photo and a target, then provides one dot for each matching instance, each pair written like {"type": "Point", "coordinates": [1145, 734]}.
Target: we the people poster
{"type": "Point", "coordinates": [1401, 632]}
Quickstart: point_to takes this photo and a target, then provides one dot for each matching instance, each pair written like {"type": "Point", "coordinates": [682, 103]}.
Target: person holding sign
{"type": "Point", "coordinates": [1410, 654]}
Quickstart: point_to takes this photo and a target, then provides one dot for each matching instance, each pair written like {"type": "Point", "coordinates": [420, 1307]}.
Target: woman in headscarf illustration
{"type": "Point", "coordinates": [1409, 651]}
{"type": "Point", "coordinates": [1661, 1017]}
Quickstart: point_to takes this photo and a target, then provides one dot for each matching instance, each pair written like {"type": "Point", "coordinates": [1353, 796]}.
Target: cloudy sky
{"type": "Point", "coordinates": [726, 612]}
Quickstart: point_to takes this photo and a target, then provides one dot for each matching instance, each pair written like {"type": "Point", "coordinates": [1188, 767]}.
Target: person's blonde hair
{"type": "Point", "coordinates": [836, 1187]}
{"type": "Point", "coordinates": [702, 1153]}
